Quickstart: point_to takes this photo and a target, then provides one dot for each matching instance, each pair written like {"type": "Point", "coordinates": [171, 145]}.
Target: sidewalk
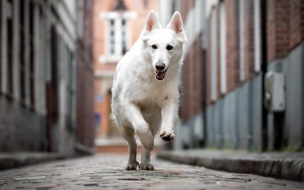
{"type": "Point", "coordinates": [285, 165]}
{"type": "Point", "coordinates": [18, 159]}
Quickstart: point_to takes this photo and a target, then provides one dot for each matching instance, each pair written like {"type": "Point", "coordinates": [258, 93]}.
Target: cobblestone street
{"type": "Point", "coordinates": [106, 172]}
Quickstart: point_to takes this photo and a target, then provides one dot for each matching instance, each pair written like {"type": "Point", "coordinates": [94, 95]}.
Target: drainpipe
{"type": "Point", "coordinates": [264, 71]}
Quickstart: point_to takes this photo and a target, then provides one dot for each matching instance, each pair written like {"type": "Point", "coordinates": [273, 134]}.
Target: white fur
{"type": "Point", "coordinates": [142, 104]}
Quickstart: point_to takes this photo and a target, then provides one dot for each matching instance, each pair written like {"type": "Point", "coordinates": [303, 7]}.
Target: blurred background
{"type": "Point", "coordinates": [242, 82]}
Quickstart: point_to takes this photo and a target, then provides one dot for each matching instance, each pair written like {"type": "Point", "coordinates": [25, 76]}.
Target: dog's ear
{"type": "Point", "coordinates": [151, 24]}
{"type": "Point", "coordinates": [176, 24]}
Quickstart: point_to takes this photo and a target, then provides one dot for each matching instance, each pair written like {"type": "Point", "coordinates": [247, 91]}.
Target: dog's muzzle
{"type": "Point", "coordinates": [160, 73]}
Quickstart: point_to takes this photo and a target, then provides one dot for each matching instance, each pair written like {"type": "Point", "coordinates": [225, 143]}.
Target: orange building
{"type": "Point", "coordinates": [116, 26]}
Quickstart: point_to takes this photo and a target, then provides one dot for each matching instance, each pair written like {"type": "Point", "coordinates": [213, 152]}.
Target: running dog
{"type": "Point", "coordinates": [145, 96]}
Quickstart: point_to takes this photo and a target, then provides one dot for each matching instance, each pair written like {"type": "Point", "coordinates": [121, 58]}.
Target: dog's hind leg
{"type": "Point", "coordinates": [128, 134]}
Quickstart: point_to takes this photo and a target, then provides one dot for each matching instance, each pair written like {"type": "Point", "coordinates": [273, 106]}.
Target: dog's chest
{"type": "Point", "coordinates": [152, 94]}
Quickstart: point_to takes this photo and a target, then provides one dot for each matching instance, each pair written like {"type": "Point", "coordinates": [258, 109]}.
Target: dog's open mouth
{"type": "Point", "coordinates": [160, 75]}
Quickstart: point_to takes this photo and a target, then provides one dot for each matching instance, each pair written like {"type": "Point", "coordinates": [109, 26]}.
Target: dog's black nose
{"type": "Point", "coordinates": [160, 66]}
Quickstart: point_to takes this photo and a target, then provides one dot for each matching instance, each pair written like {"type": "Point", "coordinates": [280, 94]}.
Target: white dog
{"type": "Point", "coordinates": [145, 88]}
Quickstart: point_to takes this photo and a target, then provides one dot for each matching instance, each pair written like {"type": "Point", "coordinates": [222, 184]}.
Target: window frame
{"type": "Point", "coordinates": [107, 58]}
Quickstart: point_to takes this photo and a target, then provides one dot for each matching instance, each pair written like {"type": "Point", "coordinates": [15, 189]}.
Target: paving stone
{"type": "Point", "coordinates": [2, 182]}
{"type": "Point", "coordinates": [39, 186]}
{"type": "Point", "coordinates": [29, 178]}
{"type": "Point", "coordinates": [131, 178]}
{"type": "Point", "coordinates": [106, 172]}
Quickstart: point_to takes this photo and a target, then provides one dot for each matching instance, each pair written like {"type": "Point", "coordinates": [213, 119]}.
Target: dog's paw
{"type": "Point", "coordinates": [131, 166]}
{"type": "Point", "coordinates": [146, 166]}
{"type": "Point", "coordinates": [167, 136]}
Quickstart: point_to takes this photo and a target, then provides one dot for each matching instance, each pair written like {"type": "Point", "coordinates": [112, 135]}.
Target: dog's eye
{"type": "Point", "coordinates": [169, 47]}
{"type": "Point", "coordinates": [154, 46]}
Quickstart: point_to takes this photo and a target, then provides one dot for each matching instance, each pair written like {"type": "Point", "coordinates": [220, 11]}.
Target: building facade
{"type": "Point", "coordinates": [38, 72]}
{"type": "Point", "coordinates": [233, 44]}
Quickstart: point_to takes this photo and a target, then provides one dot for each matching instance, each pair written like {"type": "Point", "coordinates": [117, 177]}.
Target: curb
{"type": "Point", "coordinates": [14, 160]}
{"type": "Point", "coordinates": [261, 164]}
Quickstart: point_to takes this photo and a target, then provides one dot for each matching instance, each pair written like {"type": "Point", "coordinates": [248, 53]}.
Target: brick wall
{"type": "Point", "coordinates": [249, 38]}
{"type": "Point", "coordinates": [285, 30]}
{"type": "Point", "coordinates": [296, 29]}
{"type": "Point", "coordinates": [185, 90]}
{"type": "Point", "coordinates": [208, 63]}
{"type": "Point", "coordinates": [218, 52]}
{"type": "Point", "coordinates": [85, 131]}
{"type": "Point", "coordinates": [233, 45]}
{"type": "Point", "coordinates": [232, 28]}
{"type": "Point", "coordinates": [277, 29]}
{"type": "Point", "coordinates": [285, 27]}
{"type": "Point", "coordinates": [192, 73]}
{"type": "Point", "coordinates": [191, 81]}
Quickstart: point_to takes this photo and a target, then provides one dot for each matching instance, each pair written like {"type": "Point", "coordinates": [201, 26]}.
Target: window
{"type": "Point", "coordinates": [22, 71]}
{"type": "Point", "coordinates": [123, 36]}
{"type": "Point", "coordinates": [112, 36]}
{"type": "Point", "coordinates": [54, 86]}
{"type": "Point", "coordinates": [117, 45]}
{"type": "Point", "coordinates": [70, 89]}
{"type": "Point", "coordinates": [32, 56]}
{"type": "Point", "coordinates": [223, 47]}
{"type": "Point", "coordinates": [213, 32]}
{"type": "Point", "coordinates": [10, 31]}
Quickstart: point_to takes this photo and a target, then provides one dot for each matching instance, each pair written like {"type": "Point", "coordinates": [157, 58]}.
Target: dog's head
{"type": "Point", "coordinates": [163, 46]}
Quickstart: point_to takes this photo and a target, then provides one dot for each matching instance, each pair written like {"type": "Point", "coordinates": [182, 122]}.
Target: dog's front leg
{"type": "Point", "coordinates": [169, 116]}
{"type": "Point", "coordinates": [145, 135]}
{"type": "Point", "coordinates": [145, 160]}
{"type": "Point", "coordinates": [141, 127]}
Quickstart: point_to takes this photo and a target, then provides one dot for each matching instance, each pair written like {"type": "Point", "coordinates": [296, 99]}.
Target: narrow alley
{"type": "Point", "coordinates": [237, 104]}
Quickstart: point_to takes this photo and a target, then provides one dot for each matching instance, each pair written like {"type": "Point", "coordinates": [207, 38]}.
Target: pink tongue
{"type": "Point", "coordinates": [160, 75]}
